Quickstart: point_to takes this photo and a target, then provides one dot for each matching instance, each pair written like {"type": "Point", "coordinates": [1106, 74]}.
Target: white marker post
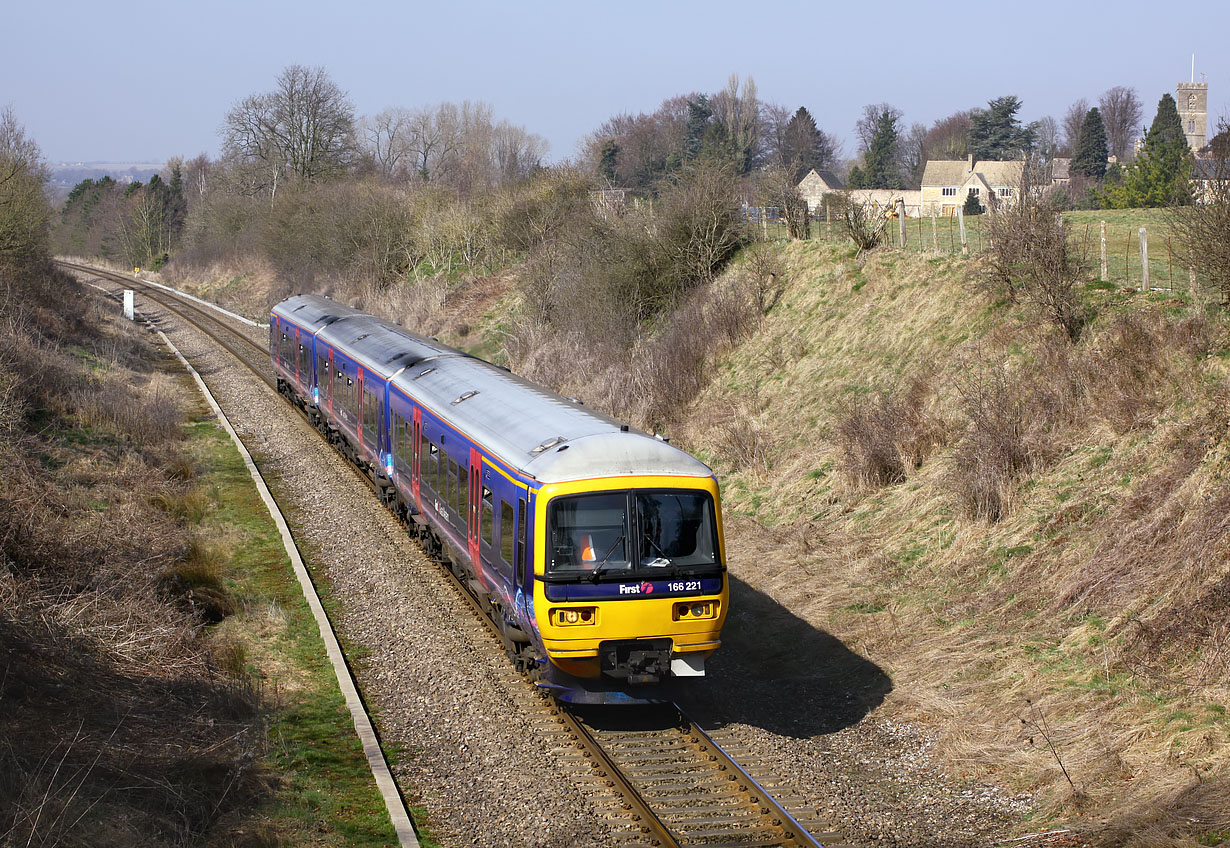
{"type": "Point", "coordinates": [129, 305]}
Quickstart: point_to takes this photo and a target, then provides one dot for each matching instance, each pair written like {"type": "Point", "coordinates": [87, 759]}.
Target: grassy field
{"type": "Point", "coordinates": [326, 794]}
{"type": "Point", "coordinates": [1123, 267]}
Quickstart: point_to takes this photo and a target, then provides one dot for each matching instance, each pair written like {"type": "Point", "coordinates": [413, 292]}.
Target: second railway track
{"type": "Point", "coordinates": [677, 782]}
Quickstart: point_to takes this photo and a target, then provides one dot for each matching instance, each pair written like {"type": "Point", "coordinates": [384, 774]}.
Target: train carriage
{"type": "Point", "coordinates": [596, 548]}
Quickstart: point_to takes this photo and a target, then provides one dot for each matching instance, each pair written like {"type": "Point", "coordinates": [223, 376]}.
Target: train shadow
{"type": "Point", "coordinates": [780, 673]}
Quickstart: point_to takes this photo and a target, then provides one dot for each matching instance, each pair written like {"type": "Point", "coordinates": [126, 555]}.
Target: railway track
{"type": "Point", "coordinates": [680, 785]}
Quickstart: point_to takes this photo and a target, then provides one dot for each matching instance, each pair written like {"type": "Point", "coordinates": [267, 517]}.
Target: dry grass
{"type": "Point", "coordinates": [118, 727]}
{"type": "Point", "coordinates": [1099, 591]}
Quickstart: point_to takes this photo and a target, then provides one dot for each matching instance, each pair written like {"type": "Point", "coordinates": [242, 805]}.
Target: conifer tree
{"type": "Point", "coordinates": [880, 164]}
{"type": "Point", "coordinates": [1161, 174]}
{"type": "Point", "coordinates": [1090, 157]}
{"type": "Point", "coordinates": [996, 134]}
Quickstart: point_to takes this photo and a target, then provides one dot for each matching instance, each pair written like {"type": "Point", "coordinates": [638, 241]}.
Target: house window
{"type": "Point", "coordinates": [1005, 192]}
{"type": "Point", "coordinates": [975, 191]}
{"type": "Point", "coordinates": [950, 191]}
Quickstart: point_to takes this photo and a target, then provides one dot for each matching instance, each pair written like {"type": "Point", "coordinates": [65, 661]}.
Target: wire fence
{"type": "Point", "coordinates": [1118, 254]}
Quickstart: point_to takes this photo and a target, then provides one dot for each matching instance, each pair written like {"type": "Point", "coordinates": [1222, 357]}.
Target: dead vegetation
{"type": "Point", "coordinates": [1004, 514]}
{"type": "Point", "coordinates": [123, 722]}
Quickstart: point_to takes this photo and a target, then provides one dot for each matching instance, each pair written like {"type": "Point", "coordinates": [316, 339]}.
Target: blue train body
{"type": "Point", "coordinates": [596, 549]}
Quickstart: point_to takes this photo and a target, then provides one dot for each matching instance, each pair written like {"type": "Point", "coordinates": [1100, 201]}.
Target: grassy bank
{"type": "Point", "coordinates": [1079, 623]}
{"type": "Point", "coordinates": [162, 679]}
{"type": "Point", "coordinates": [326, 795]}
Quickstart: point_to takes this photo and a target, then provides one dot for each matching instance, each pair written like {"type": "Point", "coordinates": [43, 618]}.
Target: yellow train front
{"type": "Point", "coordinates": [630, 588]}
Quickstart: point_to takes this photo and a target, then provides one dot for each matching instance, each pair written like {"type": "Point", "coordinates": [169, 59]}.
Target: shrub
{"type": "Point", "coordinates": [1033, 258]}
{"type": "Point", "coordinates": [993, 450]}
{"type": "Point", "coordinates": [972, 206]}
{"type": "Point", "coordinates": [864, 227]}
{"type": "Point", "coordinates": [884, 438]}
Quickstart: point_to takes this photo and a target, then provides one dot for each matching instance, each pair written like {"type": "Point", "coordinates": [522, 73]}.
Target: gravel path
{"type": "Point", "coordinates": [479, 751]}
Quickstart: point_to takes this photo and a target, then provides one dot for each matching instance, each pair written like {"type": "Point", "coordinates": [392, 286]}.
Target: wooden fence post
{"type": "Point", "coordinates": [1103, 251]}
{"type": "Point", "coordinates": [1144, 260]}
{"type": "Point", "coordinates": [901, 220]}
{"type": "Point", "coordinates": [961, 224]}
{"type": "Point", "coordinates": [935, 241]}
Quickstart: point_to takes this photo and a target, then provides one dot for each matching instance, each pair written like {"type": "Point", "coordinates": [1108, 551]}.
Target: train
{"type": "Point", "coordinates": [597, 549]}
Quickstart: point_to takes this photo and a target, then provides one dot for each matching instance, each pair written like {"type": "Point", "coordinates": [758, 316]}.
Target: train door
{"type": "Point", "coordinates": [519, 551]}
{"type": "Point", "coordinates": [329, 380]}
{"type": "Point", "coordinates": [476, 496]}
{"type": "Point", "coordinates": [358, 410]}
{"type": "Point", "coordinates": [415, 467]}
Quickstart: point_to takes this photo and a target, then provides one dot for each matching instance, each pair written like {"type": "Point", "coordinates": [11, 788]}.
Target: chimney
{"type": "Point", "coordinates": [971, 163]}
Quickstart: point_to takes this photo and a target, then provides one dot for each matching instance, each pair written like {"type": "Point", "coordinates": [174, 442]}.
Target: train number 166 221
{"type": "Point", "coordinates": [684, 586]}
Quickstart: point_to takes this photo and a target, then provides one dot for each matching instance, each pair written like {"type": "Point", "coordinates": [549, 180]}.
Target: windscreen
{"type": "Point", "coordinates": [632, 532]}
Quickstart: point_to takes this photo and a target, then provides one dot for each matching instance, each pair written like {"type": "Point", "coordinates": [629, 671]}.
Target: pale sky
{"type": "Point", "coordinates": [140, 81]}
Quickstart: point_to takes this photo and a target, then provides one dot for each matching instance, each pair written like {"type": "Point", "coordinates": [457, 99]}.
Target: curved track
{"type": "Point", "coordinates": [678, 783]}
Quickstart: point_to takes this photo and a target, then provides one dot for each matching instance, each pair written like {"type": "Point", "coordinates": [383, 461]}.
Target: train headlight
{"type": "Point", "coordinates": [574, 616]}
{"type": "Point", "coordinates": [696, 610]}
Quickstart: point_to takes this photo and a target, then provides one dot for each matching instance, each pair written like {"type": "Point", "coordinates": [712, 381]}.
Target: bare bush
{"type": "Point", "coordinates": [867, 433]}
{"type": "Point", "coordinates": [150, 414]}
{"type": "Point", "coordinates": [1032, 257]}
{"type": "Point", "coordinates": [1201, 231]}
{"type": "Point", "coordinates": [743, 442]}
{"type": "Point", "coordinates": [764, 274]}
{"type": "Point", "coordinates": [884, 438]}
{"type": "Point", "coordinates": [863, 225]}
{"type": "Point", "coordinates": [994, 448]}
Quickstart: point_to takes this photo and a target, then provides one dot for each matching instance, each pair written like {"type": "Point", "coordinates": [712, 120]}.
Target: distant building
{"type": "Point", "coordinates": [884, 200]}
{"type": "Point", "coordinates": [1192, 98]}
{"type": "Point", "coordinates": [946, 183]}
{"type": "Point", "coordinates": [1210, 179]}
{"type": "Point", "coordinates": [815, 185]}
{"type": "Point", "coordinates": [1059, 171]}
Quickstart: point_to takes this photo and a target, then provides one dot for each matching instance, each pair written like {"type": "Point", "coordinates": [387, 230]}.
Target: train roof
{"type": "Point", "coordinates": [312, 311]}
{"type": "Point", "coordinates": [541, 434]}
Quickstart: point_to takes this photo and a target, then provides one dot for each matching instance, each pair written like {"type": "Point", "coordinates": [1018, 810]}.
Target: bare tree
{"type": "Point", "coordinates": [386, 140]}
{"type": "Point", "coordinates": [518, 153]}
{"type": "Point", "coordinates": [1072, 120]}
{"type": "Point", "coordinates": [1048, 138]}
{"type": "Point", "coordinates": [865, 129]}
{"type": "Point", "coordinates": [24, 212]}
{"type": "Point", "coordinates": [305, 127]}
{"type": "Point", "coordinates": [913, 152]}
{"type": "Point", "coordinates": [948, 137]}
{"type": "Point", "coordinates": [1121, 114]}
{"type": "Point", "coordinates": [737, 109]}
{"type": "Point", "coordinates": [433, 138]}
{"type": "Point", "coordinates": [1202, 230]}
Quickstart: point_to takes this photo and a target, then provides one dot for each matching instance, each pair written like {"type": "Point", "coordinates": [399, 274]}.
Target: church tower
{"type": "Point", "coordinates": [1192, 98]}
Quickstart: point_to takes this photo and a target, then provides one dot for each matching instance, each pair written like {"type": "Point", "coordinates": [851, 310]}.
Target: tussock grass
{"type": "Point", "coordinates": [1056, 541]}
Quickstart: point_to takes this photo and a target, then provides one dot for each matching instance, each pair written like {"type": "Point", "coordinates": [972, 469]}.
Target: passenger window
{"type": "Point", "coordinates": [487, 518]}
{"type": "Point", "coordinates": [463, 494]}
{"type": "Point", "coordinates": [433, 467]}
{"type": "Point", "coordinates": [506, 532]}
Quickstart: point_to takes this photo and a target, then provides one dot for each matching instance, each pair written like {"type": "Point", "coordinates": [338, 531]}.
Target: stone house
{"type": "Point", "coordinates": [815, 185]}
{"type": "Point", "coordinates": [1060, 171]}
{"type": "Point", "coordinates": [946, 183]}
